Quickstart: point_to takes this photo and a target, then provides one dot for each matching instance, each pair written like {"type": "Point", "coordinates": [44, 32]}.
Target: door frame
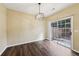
{"type": "Point", "coordinates": [50, 29]}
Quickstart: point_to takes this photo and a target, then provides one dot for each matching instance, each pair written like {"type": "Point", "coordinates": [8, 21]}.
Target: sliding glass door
{"type": "Point", "coordinates": [61, 32]}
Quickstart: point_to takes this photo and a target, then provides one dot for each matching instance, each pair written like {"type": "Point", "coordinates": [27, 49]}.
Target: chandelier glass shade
{"type": "Point", "coordinates": [40, 15]}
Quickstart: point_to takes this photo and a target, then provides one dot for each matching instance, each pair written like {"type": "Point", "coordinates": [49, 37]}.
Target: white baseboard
{"type": "Point", "coordinates": [3, 50]}
{"type": "Point", "coordinates": [75, 51]}
{"type": "Point", "coordinates": [22, 43]}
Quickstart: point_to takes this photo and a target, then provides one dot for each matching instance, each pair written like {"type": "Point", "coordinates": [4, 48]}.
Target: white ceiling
{"type": "Point", "coordinates": [32, 8]}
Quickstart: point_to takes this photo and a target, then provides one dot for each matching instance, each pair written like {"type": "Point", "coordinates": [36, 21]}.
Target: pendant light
{"type": "Point", "coordinates": [40, 15]}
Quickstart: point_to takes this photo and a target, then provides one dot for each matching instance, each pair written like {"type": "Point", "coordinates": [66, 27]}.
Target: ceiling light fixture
{"type": "Point", "coordinates": [40, 15]}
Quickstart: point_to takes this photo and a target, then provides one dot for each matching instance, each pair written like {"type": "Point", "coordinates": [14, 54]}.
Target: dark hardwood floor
{"type": "Point", "coordinates": [40, 48]}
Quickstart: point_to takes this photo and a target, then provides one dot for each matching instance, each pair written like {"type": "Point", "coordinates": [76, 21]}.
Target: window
{"type": "Point", "coordinates": [54, 24]}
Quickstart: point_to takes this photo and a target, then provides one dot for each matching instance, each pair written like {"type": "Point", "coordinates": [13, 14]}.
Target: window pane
{"type": "Point", "coordinates": [54, 24]}
{"type": "Point", "coordinates": [63, 21]}
{"type": "Point", "coordinates": [67, 20]}
{"type": "Point", "coordinates": [68, 25]}
{"type": "Point", "coordinates": [60, 26]}
{"type": "Point", "coordinates": [59, 22]}
{"type": "Point", "coordinates": [63, 26]}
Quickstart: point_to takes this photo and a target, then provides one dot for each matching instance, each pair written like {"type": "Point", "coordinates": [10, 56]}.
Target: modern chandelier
{"type": "Point", "coordinates": [40, 15]}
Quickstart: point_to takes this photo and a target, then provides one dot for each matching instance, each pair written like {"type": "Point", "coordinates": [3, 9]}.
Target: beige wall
{"type": "Point", "coordinates": [70, 11]}
{"type": "Point", "coordinates": [3, 29]}
{"type": "Point", "coordinates": [23, 28]}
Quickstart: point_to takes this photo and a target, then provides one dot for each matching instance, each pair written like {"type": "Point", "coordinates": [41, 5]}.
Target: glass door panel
{"type": "Point", "coordinates": [61, 31]}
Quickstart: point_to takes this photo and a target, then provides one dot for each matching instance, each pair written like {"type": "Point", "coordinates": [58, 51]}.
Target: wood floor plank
{"type": "Point", "coordinates": [39, 48]}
